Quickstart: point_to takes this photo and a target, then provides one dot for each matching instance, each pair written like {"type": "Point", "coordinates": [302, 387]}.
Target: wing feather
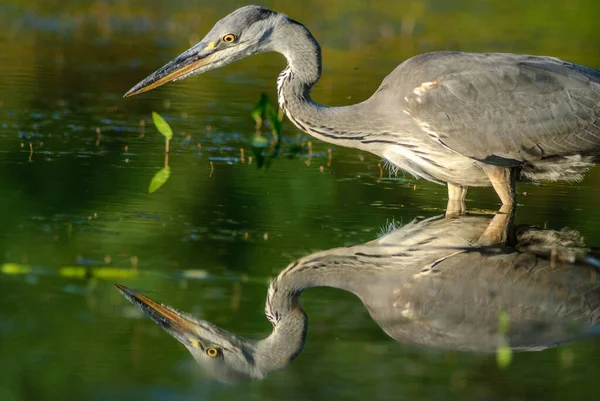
{"type": "Point", "coordinates": [502, 107]}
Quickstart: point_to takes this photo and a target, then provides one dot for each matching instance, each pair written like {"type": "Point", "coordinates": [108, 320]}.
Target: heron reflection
{"type": "Point", "coordinates": [424, 284]}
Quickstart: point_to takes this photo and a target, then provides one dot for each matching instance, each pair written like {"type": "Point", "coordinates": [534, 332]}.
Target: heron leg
{"type": "Point", "coordinates": [503, 180]}
{"type": "Point", "coordinates": [456, 200]}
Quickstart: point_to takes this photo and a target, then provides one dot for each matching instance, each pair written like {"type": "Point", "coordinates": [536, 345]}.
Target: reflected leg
{"type": "Point", "coordinates": [497, 232]}
{"type": "Point", "coordinates": [456, 200]}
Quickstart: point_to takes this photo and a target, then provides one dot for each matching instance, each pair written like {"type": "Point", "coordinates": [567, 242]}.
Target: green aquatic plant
{"type": "Point", "coordinates": [161, 177]}
{"type": "Point", "coordinates": [15, 268]}
{"type": "Point", "coordinates": [163, 127]}
{"type": "Point", "coordinates": [503, 352]}
{"type": "Point", "coordinates": [103, 272]}
{"type": "Point", "coordinates": [265, 111]}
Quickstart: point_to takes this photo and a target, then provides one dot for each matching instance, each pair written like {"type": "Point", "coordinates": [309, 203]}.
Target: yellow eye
{"type": "Point", "coordinates": [229, 38]}
{"type": "Point", "coordinates": [212, 352]}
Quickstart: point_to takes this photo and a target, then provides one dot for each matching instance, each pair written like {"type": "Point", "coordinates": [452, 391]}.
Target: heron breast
{"type": "Point", "coordinates": [436, 165]}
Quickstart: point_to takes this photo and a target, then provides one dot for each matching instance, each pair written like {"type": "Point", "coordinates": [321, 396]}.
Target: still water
{"type": "Point", "coordinates": [76, 160]}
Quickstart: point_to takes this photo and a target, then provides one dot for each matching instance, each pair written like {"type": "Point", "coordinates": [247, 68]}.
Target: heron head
{"type": "Point", "coordinates": [244, 32]}
{"type": "Point", "coordinates": [221, 354]}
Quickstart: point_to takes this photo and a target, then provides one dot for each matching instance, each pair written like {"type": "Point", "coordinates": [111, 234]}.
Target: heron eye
{"type": "Point", "coordinates": [229, 38]}
{"type": "Point", "coordinates": [212, 352]}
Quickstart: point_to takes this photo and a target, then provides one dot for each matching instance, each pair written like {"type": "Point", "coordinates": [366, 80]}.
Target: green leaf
{"type": "Point", "coordinates": [72, 271]}
{"type": "Point", "coordinates": [163, 127]}
{"type": "Point", "coordinates": [114, 272]}
{"type": "Point", "coordinates": [503, 356]}
{"type": "Point", "coordinates": [274, 120]}
{"type": "Point", "coordinates": [15, 268]}
{"type": "Point", "coordinates": [159, 179]}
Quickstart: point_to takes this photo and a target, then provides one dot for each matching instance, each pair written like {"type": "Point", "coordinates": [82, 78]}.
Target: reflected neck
{"type": "Point", "coordinates": [283, 308]}
{"type": "Point", "coordinates": [289, 332]}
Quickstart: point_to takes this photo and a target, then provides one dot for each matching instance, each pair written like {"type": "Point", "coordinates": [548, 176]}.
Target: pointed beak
{"type": "Point", "coordinates": [171, 320]}
{"type": "Point", "coordinates": [186, 64]}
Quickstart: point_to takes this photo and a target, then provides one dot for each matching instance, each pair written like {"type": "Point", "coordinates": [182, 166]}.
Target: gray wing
{"type": "Point", "coordinates": [459, 307]}
{"type": "Point", "coordinates": [502, 108]}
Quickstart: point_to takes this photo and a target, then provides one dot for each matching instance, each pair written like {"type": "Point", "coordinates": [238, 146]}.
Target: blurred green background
{"type": "Point", "coordinates": [76, 160]}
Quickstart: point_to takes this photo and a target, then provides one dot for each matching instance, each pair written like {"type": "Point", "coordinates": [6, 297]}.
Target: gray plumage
{"type": "Point", "coordinates": [503, 109]}
{"type": "Point", "coordinates": [466, 119]}
{"type": "Point", "coordinates": [424, 284]}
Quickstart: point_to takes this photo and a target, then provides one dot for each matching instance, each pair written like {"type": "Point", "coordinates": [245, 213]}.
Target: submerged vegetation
{"type": "Point", "coordinates": [504, 351]}
{"type": "Point", "coordinates": [265, 114]}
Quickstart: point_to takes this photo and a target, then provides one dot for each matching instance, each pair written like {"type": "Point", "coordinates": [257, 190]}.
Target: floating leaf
{"type": "Point", "coordinates": [503, 356]}
{"type": "Point", "coordinates": [163, 127]}
{"type": "Point", "coordinates": [15, 268]}
{"type": "Point", "coordinates": [72, 271]}
{"type": "Point", "coordinates": [114, 272]}
{"type": "Point", "coordinates": [159, 179]}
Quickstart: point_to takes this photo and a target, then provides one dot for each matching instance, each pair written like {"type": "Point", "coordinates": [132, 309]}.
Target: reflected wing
{"type": "Point", "coordinates": [507, 109]}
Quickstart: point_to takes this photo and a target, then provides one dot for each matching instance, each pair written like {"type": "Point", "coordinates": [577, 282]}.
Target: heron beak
{"type": "Point", "coordinates": [187, 63]}
{"type": "Point", "coordinates": [172, 321]}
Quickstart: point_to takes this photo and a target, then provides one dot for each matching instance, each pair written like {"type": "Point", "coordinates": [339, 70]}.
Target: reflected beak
{"type": "Point", "coordinates": [184, 65]}
{"type": "Point", "coordinates": [173, 321]}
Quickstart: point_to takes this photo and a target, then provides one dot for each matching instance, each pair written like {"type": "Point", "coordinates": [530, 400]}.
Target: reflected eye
{"type": "Point", "coordinates": [212, 352]}
{"type": "Point", "coordinates": [229, 38]}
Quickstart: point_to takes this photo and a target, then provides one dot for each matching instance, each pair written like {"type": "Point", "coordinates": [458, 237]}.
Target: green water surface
{"type": "Point", "coordinates": [76, 160]}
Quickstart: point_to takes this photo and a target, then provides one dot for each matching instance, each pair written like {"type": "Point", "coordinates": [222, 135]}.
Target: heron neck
{"type": "Point", "coordinates": [336, 125]}
{"type": "Point", "coordinates": [283, 308]}
{"type": "Point", "coordinates": [288, 337]}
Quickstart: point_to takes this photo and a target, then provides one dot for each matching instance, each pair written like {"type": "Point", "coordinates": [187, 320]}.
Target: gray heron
{"type": "Point", "coordinates": [465, 119]}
